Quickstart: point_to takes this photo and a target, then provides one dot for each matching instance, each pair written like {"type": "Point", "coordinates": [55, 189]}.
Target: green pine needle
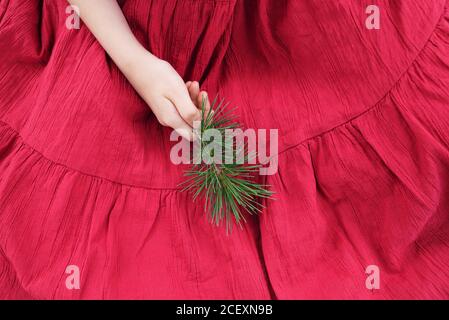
{"type": "Point", "coordinates": [228, 188]}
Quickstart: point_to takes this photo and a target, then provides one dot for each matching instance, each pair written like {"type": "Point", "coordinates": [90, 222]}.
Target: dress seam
{"type": "Point", "coordinates": [382, 99]}
{"type": "Point", "coordinates": [23, 143]}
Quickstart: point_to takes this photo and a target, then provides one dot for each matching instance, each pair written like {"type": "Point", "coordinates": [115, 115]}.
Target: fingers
{"type": "Point", "coordinates": [203, 97]}
{"type": "Point", "coordinates": [194, 91]}
{"type": "Point", "coordinates": [168, 116]}
{"type": "Point", "coordinates": [180, 111]}
{"type": "Point", "coordinates": [197, 96]}
{"type": "Point", "coordinates": [186, 107]}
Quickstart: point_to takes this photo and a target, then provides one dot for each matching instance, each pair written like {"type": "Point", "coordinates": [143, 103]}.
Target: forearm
{"type": "Point", "coordinates": [156, 81]}
{"type": "Point", "coordinates": [105, 20]}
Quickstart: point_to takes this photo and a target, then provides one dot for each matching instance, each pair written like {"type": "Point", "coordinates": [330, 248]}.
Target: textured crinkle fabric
{"type": "Point", "coordinates": [363, 179]}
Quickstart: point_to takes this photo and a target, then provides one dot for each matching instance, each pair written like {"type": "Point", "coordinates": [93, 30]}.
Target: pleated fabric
{"type": "Point", "coordinates": [363, 179]}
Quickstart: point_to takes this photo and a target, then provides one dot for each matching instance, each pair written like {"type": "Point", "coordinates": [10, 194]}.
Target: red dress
{"type": "Point", "coordinates": [363, 179]}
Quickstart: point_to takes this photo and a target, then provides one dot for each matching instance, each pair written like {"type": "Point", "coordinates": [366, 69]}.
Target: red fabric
{"type": "Point", "coordinates": [86, 180]}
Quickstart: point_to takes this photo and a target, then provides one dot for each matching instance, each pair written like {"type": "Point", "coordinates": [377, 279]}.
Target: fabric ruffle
{"type": "Point", "coordinates": [373, 191]}
{"type": "Point", "coordinates": [363, 178]}
{"type": "Point", "coordinates": [128, 242]}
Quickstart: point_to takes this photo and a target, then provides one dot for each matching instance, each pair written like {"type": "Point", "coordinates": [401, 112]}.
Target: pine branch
{"type": "Point", "coordinates": [228, 187]}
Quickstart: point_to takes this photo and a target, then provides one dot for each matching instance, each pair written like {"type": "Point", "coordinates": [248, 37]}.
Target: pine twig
{"type": "Point", "coordinates": [228, 188]}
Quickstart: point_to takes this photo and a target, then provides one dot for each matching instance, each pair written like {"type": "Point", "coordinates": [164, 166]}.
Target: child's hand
{"type": "Point", "coordinates": [197, 96]}
{"type": "Point", "coordinates": [175, 104]}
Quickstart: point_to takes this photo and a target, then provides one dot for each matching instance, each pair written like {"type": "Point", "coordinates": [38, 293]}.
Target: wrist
{"type": "Point", "coordinates": [133, 59]}
{"type": "Point", "coordinates": [140, 69]}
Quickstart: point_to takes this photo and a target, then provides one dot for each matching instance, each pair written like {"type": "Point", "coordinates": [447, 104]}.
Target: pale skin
{"type": "Point", "coordinates": [174, 103]}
